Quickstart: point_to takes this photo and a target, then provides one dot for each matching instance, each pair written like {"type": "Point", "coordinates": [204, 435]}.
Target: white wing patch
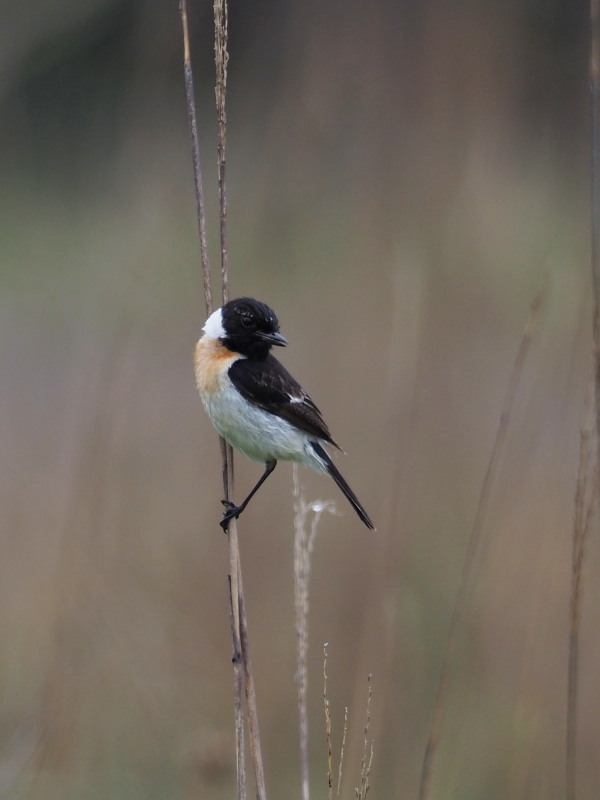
{"type": "Point", "coordinates": [294, 398]}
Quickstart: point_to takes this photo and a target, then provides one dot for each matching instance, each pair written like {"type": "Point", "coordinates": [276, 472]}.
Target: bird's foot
{"type": "Point", "coordinates": [231, 512]}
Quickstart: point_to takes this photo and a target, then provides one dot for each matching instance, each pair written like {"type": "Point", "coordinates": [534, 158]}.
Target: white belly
{"type": "Point", "coordinates": [256, 433]}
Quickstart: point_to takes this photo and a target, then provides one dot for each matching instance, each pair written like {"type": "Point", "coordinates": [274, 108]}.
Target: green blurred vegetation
{"type": "Point", "coordinates": [402, 177]}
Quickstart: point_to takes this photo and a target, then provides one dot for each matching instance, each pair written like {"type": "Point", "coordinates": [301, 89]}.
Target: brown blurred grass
{"type": "Point", "coordinates": [398, 211]}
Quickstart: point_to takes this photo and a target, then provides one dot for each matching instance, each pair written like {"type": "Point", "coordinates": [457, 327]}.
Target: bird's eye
{"type": "Point", "coordinates": [247, 321]}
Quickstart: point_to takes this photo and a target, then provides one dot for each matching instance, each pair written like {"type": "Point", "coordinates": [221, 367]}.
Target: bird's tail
{"type": "Point", "coordinates": [330, 467]}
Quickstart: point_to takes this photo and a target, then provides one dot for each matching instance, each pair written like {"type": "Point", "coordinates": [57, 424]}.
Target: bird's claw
{"type": "Point", "coordinates": [231, 512]}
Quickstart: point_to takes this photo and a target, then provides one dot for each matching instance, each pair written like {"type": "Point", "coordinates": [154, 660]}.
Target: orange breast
{"type": "Point", "coordinates": [211, 362]}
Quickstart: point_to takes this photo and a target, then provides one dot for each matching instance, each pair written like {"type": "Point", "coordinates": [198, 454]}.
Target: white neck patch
{"type": "Point", "coordinates": [213, 327]}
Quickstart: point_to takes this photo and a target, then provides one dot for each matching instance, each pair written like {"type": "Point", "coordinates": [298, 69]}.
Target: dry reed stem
{"type": "Point", "coordinates": [594, 82]}
{"type": "Point", "coordinates": [342, 752]}
{"type": "Point", "coordinates": [221, 60]}
{"type": "Point", "coordinates": [327, 727]}
{"type": "Point", "coordinates": [251, 705]}
{"type": "Point", "coordinates": [365, 767]}
{"type": "Point", "coordinates": [191, 108]}
{"type": "Point", "coordinates": [303, 544]}
{"type": "Point", "coordinates": [242, 669]}
{"type": "Point", "coordinates": [585, 494]}
{"type": "Point", "coordinates": [237, 592]}
{"type": "Point", "coordinates": [584, 507]}
{"type": "Point", "coordinates": [475, 536]}
{"type": "Point", "coordinates": [362, 790]}
{"type": "Point", "coordinates": [238, 708]}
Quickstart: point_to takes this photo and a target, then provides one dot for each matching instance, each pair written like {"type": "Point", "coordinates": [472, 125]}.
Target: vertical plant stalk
{"type": "Point", "coordinates": [238, 694]}
{"type": "Point", "coordinates": [327, 727]}
{"type": "Point", "coordinates": [301, 580]}
{"type": "Point", "coordinates": [362, 791]}
{"type": "Point", "coordinates": [243, 679]}
{"type": "Point", "coordinates": [238, 679]}
{"type": "Point", "coordinates": [328, 736]}
{"type": "Point", "coordinates": [473, 546]}
{"type": "Point", "coordinates": [342, 753]}
{"type": "Point", "coordinates": [221, 61]}
{"type": "Point", "coordinates": [237, 589]}
{"type": "Point", "coordinates": [255, 746]}
{"type": "Point", "coordinates": [191, 108]}
{"type": "Point", "coordinates": [594, 81]}
{"type": "Point", "coordinates": [304, 539]}
{"type": "Point", "coordinates": [584, 503]}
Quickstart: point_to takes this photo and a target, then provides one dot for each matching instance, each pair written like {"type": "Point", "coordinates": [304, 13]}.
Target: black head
{"type": "Point", "coordinates": [251, 327]}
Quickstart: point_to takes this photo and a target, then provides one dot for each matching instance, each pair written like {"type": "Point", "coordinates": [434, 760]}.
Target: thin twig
{"type": "Point", "coordinates": [238, 692]}
{"type": "Point", "coordinates": [255, 747]}
{"type": "Point", "coordinates": [191, 107]}
{"type": "Point", "coordinates": [582, 509]}
{"type": "Point", "coordinates": [241, 657]}
{"type": "Point", "coordinates": [472, 550]}
{"type": "Point", "coordinates": [237, 591]}
{"type": "Point", "coordinates": [227, 473]}
{"type": "Point", "coordinates": [238, 652]}
{"type": "Point", "coordinates": [327, 727]}
{"type": "Point", "coordinates": [303, 545]}
{"type": "Point", "coordinates": [584, 504]}
{"type": "Point", "coordinates": [342, 752]}
{"type": "Point", "coordinates": [594, 81]}
{"type": "Point", "coordinates": [221, 59]}
{"type": "Point", "coordinates": [365, 767]}
{"type": "Point", "coordinates": [301, 579]}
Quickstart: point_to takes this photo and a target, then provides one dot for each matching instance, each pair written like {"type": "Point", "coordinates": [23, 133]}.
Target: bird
{"type": "Point", "coordinates": [253, 401]}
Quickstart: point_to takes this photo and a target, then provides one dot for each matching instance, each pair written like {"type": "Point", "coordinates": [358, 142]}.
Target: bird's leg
{"type": "Point", "coordinates": [234, 511]}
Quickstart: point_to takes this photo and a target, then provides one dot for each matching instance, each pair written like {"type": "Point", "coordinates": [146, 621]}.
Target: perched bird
{"type": "Point", "coordinates": [253, 401]}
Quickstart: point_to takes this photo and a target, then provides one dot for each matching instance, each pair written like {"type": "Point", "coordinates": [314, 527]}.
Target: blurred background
{"type": "Point", "coordinates": [403, 177]}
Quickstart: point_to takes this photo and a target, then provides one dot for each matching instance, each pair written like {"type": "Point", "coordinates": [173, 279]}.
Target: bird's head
{"type": "Point", "coordinates": [245, 326]}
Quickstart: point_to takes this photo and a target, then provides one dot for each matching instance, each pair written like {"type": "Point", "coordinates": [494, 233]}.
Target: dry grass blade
{"type": "Point", "coordinates": [237, 592]}
{"type": "Point", "coordinates": [191, 107]}
{"type": "Point", "coordinates": [238, 691]}
{"type": "Point", "coordinates": [255, 746]}
{"type": "Point", "coordinates": [585, 494]}
{"type": "Point", "coordinates": [227, 463]}
{"type": "Point", "coordinates": [367, 758]}
{"type": "Point", "coordinates": [583, 502]}
{"type": "Point", "coordinates": [328, 737]}
{"type": "Point", "coordinates": [304, 538]}
{"type": "Point", "coordinates": [221, 59]}
{"type": "Point", "coordinates": [241, 658]}
{"type": "Point", "coordinates": [342, 753]}
{"type": "Point", "coordinates": [327, 727]}
{"type": "Point", "coordinates": [472, 550]}
{"type": "Point", "coordinates": [594, 80]}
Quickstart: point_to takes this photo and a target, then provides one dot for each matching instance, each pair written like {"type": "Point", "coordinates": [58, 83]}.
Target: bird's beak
{"type": "Point", "coordinates": [273, 338]}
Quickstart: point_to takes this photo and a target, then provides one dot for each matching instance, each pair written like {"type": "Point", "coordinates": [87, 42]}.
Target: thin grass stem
{"type": "Point", "coordinates": [238, 692]}
{"type": "Point", "coordinates": [367, 757]}
{"type": "Point", "coordinates": [594, 82]}
{"type": "Point", "coordinates": [251, 705]}
{"type": "Point", "coordinates": [304, 538]}
{"type": "Point", "coordinates": [472, 550]}
{"type": "Point", "coordinates": [242, 669]}
{"type": "Point", "coordinates": [327, 727]}
{"type": "Point", "coordinates": [342, 753]}
{"type": "Point", "coordinates": [196, 164]}
{"type": "Point", "coordinates": [585, 492]}
{"type": "Point", "coordinates": [583, 508]}
{"type": "Point", "coordinates": [221, 61]}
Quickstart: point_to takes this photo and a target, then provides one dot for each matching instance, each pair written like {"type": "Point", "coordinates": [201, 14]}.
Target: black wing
{"type": "Point", "coordinates": [269, 385]}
